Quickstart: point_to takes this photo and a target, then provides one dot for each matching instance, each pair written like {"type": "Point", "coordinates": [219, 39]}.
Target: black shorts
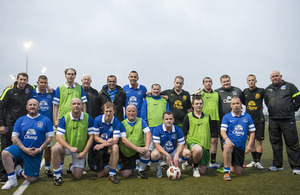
{"type": "Point", "coordinates": [260, 131]}
{"type": "Point", "coordinates": [128, 162]}
{"type": "Point", "coordinates": [100, 158]}
{"type": "Point", "coordinates": [238, 157]}
{"type": "Point", "coordinates": [215, 129]}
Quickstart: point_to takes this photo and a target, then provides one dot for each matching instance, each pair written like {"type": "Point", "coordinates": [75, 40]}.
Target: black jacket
{"type": "Point", "coordinates": [282, 101]}
{"type": "Point", "coordinates": [93, 105]}
{"type": "Point", "coordinates": [119, 101]}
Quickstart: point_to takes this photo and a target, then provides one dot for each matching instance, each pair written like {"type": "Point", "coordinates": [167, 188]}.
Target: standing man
{"type": "Point", "coordinates": [134, 144]}
{"type": "Point", "coordinates": [75, 137]}
{"type": "Point", "coordinates": [234, 128]}
{"type": "Point", "coordinates": [31, 135]}
{"type": "Point", "coordinates": [106, 151]}
{"type": "Point", "coordinates": [135, 93]}
{"type": "Point", "coordinates": [111, 92]}
{"type": "Point", "coordinates": [283, 99]}
{"type": "Point", "coordinates": [12, 106]}
{"type": "Point", "coordinates": [179, 100]}
{"type": "Point", "coordinates": [45, 98]}
{"type": "Point", "coordinates": [196, 129]}
{"type": "Point", "coordinates": [254, 97]}
{"type": "Point", "coordinates": [65, 93]}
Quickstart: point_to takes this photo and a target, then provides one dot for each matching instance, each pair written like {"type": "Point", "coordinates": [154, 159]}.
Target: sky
{"type": "Point", "coordinates": [160, 39]}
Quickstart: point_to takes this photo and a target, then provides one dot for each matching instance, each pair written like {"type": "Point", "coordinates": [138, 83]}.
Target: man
{"type": "Point", "coordinates": [283, 99]}
{"type": "Point", "coordinates": [234, 128]}
{"type": "Point", "coordinates": [111, 92]}
{"type": "Point", "coordinates": [134, 144]}
{"type": "Point", "coordinates": [169, 143]}
{"type": "Point", "coordinates": [135, 93]}
{"type": "Point", "coordinates": [45, 98]}
{"type": "Point", "coordinates": [65, 93]}
{"type": "Point", "coordinates": [106, 151]}
{"type": "Point", "coordinates": [31, 135]}
{"type": "Point", "coordinates": [254, 97]}
{"type": "Point", "coordinates": [196, 129]}
{"type": "Point", "coordinates": [179, 100]}
{"type": "Point", "coordinates": [12, 106]}
{"type": "Point", "coordinates": [75, 137]}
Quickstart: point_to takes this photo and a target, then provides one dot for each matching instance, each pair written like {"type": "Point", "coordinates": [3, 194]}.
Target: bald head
{"type": "Point", "coordinates": [86, 81]}
{"type": "Point", "coordinates": [32, 107]}
{"type": "Point", "coordinates": [76, 106]}
{"type": "Point", "coordinates": [276, 77]}
{"type": "Point", "coordinates": [131, 112]}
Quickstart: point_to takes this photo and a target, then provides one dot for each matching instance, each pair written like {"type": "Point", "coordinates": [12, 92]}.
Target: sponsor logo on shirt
{"type": "Point", "coordinates": [178, 105]}
{"type": "Point", "coordinates": [44, 105]}
{"type": "Point", "coordinates": [133, 100]}
{"type": "Point", "coordinates": [30, 134]}
{"type": "Point", "coordinates": [104, 136]}
{"type": "Point", "coordinates": [227, 100]}
{"type": "Point", "coordinates": [238, 131]}
{"type": "Point", "coordinates": [169, 146]}
{"type": "Point", "coordinates": [251, 106]}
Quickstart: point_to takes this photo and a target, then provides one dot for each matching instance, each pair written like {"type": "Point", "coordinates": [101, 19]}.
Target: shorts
{"type": "Point", "coordinates": [260, 131]}
{"type": "Point", "coordinates": [214, 129]}
{"type": "Point", "coordinates": [76, 162]}
{"type": "Point", "coordinates": [100, 158]}
{"type": "Point", "coordinates": [128, 162]}
{"type": "Point", "coordinates": [238, 156]}
{"type": "Point", "coordinates": [171, 154]}
{"type": "Point", "coordinates": [205, 156]}
{"type": "Point", "coordinates": [31, 163]}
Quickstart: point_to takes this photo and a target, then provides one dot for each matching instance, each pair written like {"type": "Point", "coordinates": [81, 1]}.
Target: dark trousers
{"type": "Point", "coordinates": [5, 142]}
{"type": "Point", "coordinates": [287, 128]}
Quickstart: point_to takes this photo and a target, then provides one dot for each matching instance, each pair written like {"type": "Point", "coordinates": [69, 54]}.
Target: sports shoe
{"type": "Point", "coordinates": [273, 168]}
{"type": "Point", "coordinates": [58, 181]}
{"type": "Point", "coordinates": [142, 175]}
{"type": "Point", "coordinates": [17, 170]}
{"type": "Point", "coordinates": [158, 172]}
{"type": "Point", "coordinates": [196, 172]}
{"type": "Point", "coordinates": [214, 165]}
{"type": "Point", "coordinates": [185, 165]}
{"type": "Point", "coordinates": [252, 164]}
{"type": "Point", "coordinates": [165, 167]}
{"type": "Point", "coordinates": [10, 184]}
{"type": "Point", "coordinates": [220, 170]}
{"type": "Point", "coordinates": [259, 166]}
{"type": "Point", "coordinates": [227, 177]}
{"type": "Point", "coordinates": [70, 168]}
{"type": "Point", "coordinates": [296, 171]}
{"type": "Point", "coordinates": [113, 179]}
{"type": "Point", "coordinates": [48, 173]}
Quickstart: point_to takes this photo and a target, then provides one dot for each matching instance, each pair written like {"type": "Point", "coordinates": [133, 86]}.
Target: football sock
{"type": "Point", "coordinates": [47, 166]}
{"type": "Point", "coordinates": [258, 156]}
{"type": "Point", "coordinates": [57, 172]}
{"type": "Point", "coordinates": [213, 158]}
{"type": "Point", "coordinates": [11, 175]}
{"type": "Point", "coordinates": [195, 165]}
{"type": "Point", "coordinates": [20, 173]}
{"type": "Point", "coordinates": [61, 166]}
{"type": "Point", "coordinates": [226, 169]}
{"type": "Point", "coordinates": [254, 156]}
{"type": "Point", "coordinates": [112, 172]}
{"type": "Point", "coordinates": [143, 163]}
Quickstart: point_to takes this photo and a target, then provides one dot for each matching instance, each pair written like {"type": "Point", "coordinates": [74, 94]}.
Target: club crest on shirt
{"type": "Point", "coordinates": [245, 120]}
{"type": "Point", "coordinates": [174, 136]}
{"type": "Point", "coordinates": [40, 124]}
{"type": "Point", "coordinates": [184, 97]}
{"type": "Point", "coordinates": [140, 92]}
{"type": "Point", "coordinates": [283, 87]}
{"type": "Point", "coordinates": [26, 90]}
{"type": "Point", "coordinates": [257, 96]}
{"type": "Point", "coordinates": [111, 129]}
{"type": "Point", "coordinates": [104, 136]}
{"type": "Point", "coordinates": [234, 93]}
{"type": "Point", "coordinates": [49, 96]}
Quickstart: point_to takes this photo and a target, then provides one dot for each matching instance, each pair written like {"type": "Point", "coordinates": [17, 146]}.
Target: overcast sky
{"type": "Point", "coordinates": [158, 38]}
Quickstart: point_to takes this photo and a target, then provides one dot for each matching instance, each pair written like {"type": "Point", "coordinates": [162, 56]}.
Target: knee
{"type": "Point", "coordinates": [186, 153]}
{"type": "Point", "coordinates": [126, 173]}
{"type": "Point", "coordinates": [5, 154]}
{"type": "Point", "coordinates": [155, 155]}
{"type": "Point", "coordinates": [147, 154]}
{"type": "Point", "coordinates": [115, 149]}
{"type": "Point", "coordinates": [214, 141]}
{"type": "Point", "coordinates": [77, 175]}
{"type": "Point", "coordinates": [227, 148]}
{"type": "Point", "coordinates": [31, 179]}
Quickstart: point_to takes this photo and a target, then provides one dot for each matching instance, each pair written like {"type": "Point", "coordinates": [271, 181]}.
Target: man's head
{"type": "Point", "coordinates": [76, 105]}
{"type": "Point", "coordinates": [109, 110]}
{"type": "Point", "coordinates": [111, 82]}
{"type": "Point", "coordinates": [207, 83]}
{"type": "Point", "coordinates": [32, 107]}
{"type": "Point", "coordinates": [251, 81]}
{"type": "Point", "coordinates": [133, 78]}
{"type": "Point", "coordinates": [168, 119]}
{"type": "Point", "coordinates": [155, 90]}
{"type": "Point", "coordinates": [197, 103]}
{"type": "Point", "coordinates": [42, 83]}
{"type": "Point", "coordinates": [178, 83]}
{"type": "Point", "coordinates": [22, 80]}
{"type": "Point", "coordinates": [276, 77]}
{"type": "Point", "coordinates": [70, 75]}
{"type": "Point", "coordinates": [225, 81]}
{"type": "Point", "coordinates": [86, 81]}
{"type": "Point", "coordinates": [236, 105]}
{"type": "Point", "coordinates": [131, 112]}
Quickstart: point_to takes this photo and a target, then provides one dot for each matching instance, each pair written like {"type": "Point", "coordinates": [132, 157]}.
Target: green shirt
{"type": "Point", "coordinates": [211, 104]}
{"type": "Point", "coordinates": [155, 110]}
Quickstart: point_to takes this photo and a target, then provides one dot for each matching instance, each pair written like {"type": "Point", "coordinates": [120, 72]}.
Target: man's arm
{"type": "Point", "coordinates": [84, 107]}
{"type": "Point", "coordinates": [162, 151]}
{"type": "Point", "coordinates": [251, 142]}
{"type": "Point", "coordinates": [89, 143]}
{"type": "Point", "coordinates": [3, 105]}
{"type": "Point", "coordinates": [60, 139]}
{"type": "Point", "coordinates": [130, 145]}
{"type": "Point", "coordinates": [227, 141]}
{"type": "Point", "coordinates": [55, 115]}
{"type": "Point", "coordinates": [29, 151]}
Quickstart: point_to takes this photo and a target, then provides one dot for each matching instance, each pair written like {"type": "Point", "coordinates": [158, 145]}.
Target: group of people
{"type": "Point", "coordinates": [158, 126]}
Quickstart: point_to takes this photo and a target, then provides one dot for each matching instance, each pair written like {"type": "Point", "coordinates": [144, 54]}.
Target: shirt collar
{"type": "Point", "coordinates": [73, 119]}
{"type": "Point", "coordinates": [233, 115]}
{"type": "Point", "coordinates": [103, 119]}
{"type": "Point", "coordinates": [164, 128]}
{"type": "Point", "coordinates": [33, 117]}
{"type": "Point", "coordinates": [131, 122]}
{"type": "Point", "coordinates": [138, 86]}
{"type": "Point", "coordinates": [70, 87]}
{"type": "Point", "coordinates": [37, 90]}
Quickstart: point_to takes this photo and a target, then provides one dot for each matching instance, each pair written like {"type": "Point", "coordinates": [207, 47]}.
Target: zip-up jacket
{"type": "Point", "coordinates": [92, 105]}
{"type": "Point", "coordinates": [282, 100]}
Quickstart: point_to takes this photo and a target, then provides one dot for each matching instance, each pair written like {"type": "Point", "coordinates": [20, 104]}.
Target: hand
{"type": "Point", "coordinates": [73, 149]}
{"type": "Point", "coordinates": [165, 96]}
{"type": "Point", "coordinates": [98, 147]}
{"type": "Point", "coordinates": [2, 130]}
{"type": "Point", "coordinates": [169, 160]}
{"type": "Point", "coordinates": [176, 160]}
{"type": "Point", "coordinates": [49, 89]}
{"type": "Point", "coordinates": [249, 148]}
{"type": "Point", "coordinates": [81, 155]}
{"type": "Point", "coordinates": [30, 151]}
{"type": "Point", "coordinates": [142, 150]}
{"type": "Point", "coordinates": [110, 141]}
{"type": "Point", "coordinates": [35, 151]}
{"type": "Point", "coordinates": [229, 143]}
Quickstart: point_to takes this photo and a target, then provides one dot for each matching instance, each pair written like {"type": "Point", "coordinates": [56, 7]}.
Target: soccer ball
{"type": "Point", "coordinates": [173, 173]}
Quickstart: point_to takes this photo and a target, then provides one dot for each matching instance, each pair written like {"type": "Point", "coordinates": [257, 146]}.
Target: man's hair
{"type": "Point", "coordinates": [155, 84]}
{"type": "Point", "coordinates": [206, 78]}
{"type": "Point", "coordinates": [251, 75]}
{"type": "Point", "coordinates": [167, 113]}
{"type": "Point", "coordinates": [70, 69]}
{"type": "Point", "coordinates": [235, 97]}
{"type": "Point", "coordinates": [179, 77]}
{"type": "Point", "coordinates": [42, 77]}
{"type": "Point", "coordinates": [109, 105]}
{"type": "Point", "coordinates": [135, 72]}
{"type": "Point", "coordinates": [224, 76]}
{"type": "Point", "coordinates": [110, 76]}
{"type": "Point", "coordinates": [22, 74]}
{"type": "Point", "coordinates": [196, 97]}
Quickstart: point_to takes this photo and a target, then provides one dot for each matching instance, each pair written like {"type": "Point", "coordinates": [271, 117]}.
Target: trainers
{"type": "Point", "coordinates": [17, 170]}
{"type": "Point", "coordinates": [113, 179]}
{"type": "Point", "coordinates": [196, 172]}
{"type": "Point", "coordinates": [165, 167]}
{"type": "Point", "coordinates": [10, 184]}
{"type": "Point", "coordinates": [58, 181]}
{"type": "Point", "coordinates": [220, 170]}
{"type": "Point", "coordinates": [142, 175]}
{"type": "Point", "coordinates": [259, 166]}
{"type": "Point", "coordinates": [273, 168]}
{"type": "Point", "coordinates": [296, 171]}
{"type": "Point", "coordinates": [214, 165]}
{"type": "Point", "coordinates": [185, 165]}
{"type": "Point", "coordinates": [48, 173]}
{"type": "Point", "coordinates": [252, 164]}
{"type": "Point", "coordinates": [227, 177]}
{"type": "Point", "coordinates": [158, 172]}
{"type": "Point", "coordinates": [70, 168]}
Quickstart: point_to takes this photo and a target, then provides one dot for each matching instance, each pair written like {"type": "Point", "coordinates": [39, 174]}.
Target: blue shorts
{"type": "Point", "coordinates": [31, 163]}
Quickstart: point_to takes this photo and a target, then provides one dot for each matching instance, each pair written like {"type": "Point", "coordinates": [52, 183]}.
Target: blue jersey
{"type": "Point", "coordinates": [123, 130]}
{"type": "Point", "coordinates": [33, 131]}
{"type": "Point", "coordinates": [135, 97]}
{"type": "Point", "coordinates": [237, 128]}
{"type": "Point", "coordinates": [45, 102]}
{"type": "Point", "coordinates": [106, 131]}
{"type": "Point", "coordinates": [168, 141]}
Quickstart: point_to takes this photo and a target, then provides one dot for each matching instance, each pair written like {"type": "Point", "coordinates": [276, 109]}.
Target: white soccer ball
{"type": "Point", "coordinates": [173, 173]}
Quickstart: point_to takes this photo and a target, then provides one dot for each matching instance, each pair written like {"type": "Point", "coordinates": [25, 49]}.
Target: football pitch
{"type": "Point", "coordinates": [252, 181]}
